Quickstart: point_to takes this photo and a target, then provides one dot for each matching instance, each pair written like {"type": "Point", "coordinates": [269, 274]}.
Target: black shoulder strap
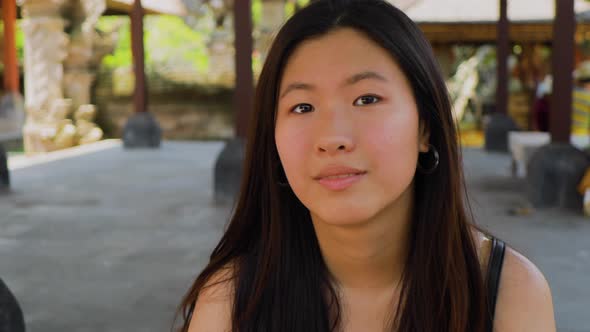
{"type": "Point", "coordinates": [493, 279]}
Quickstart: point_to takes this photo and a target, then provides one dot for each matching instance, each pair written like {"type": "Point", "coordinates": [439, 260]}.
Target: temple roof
{"type": "Point", "coordinates": [484, 11]}
{"type": "Point", "coordinates": [169, 7]}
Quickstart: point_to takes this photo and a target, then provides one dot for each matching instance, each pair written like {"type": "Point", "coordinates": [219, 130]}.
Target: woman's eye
{"type": "Point", "coordinates": [302, 108]}
{"type": "Point", "coordinates": [366, 100]}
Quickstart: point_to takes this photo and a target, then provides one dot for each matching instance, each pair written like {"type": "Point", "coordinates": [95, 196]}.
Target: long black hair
{"type": "Point", "coordinates": [280, 280]}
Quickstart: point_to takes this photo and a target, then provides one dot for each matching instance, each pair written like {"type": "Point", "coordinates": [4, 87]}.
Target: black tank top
{"type": "Point", "coordinates": [495, 263]}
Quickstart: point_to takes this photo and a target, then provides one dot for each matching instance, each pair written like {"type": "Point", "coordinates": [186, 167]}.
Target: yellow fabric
{"type": "Point", "coordinates": [585, 183]}
{"type": "Point", "coordinates": [581, 112]}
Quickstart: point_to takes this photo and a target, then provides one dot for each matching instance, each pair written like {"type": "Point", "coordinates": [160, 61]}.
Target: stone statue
{"type": "Point", "coordinates": [221, 41]}
{"type": "Point", "coordinates": [86, 130]}
{"type": "Point", "coordinates": [60, 70]}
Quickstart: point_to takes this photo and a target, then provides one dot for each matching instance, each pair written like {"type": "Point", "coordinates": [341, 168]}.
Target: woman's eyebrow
{"type": "Point", "coordinates": [365, 75]}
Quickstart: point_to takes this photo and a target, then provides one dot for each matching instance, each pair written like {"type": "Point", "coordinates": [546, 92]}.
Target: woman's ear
{"type": "Point", "coordinates": [424, 137]}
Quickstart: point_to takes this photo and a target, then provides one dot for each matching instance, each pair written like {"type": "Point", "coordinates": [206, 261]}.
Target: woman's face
{"type": "Point", "coordinates": [347, 127]}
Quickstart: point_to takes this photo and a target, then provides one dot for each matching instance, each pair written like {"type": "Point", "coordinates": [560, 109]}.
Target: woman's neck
{"type": "Point", "coordinates": [371, 254]}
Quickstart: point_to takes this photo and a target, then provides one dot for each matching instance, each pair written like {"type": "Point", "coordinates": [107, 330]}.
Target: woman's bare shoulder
{"type": "Point", "coordinates": [524, 297]}
{"type": "Point", "coordinates": [214, 305]}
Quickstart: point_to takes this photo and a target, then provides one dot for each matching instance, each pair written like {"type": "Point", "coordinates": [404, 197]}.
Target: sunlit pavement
{"type": "Point", "coordinates": [557, 242]}
{"type": "Point", "coordinates": [103, 239]}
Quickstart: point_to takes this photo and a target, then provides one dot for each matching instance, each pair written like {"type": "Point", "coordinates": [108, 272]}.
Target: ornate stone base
{"type": "Point", "coordinates": [553, 174]}
{"type": "Point", "coordinates": [228, 172]}
{"type": "Point", "coordinates": [142, 131]}
{"type": "Point", "coordinates": [11, 315]}
{"type": "Point", "coordinates": [496, 130]}
{"type": "Point", "coordinates": [4, 175]}
{"type": "Point", "coordinates": [12, 113]}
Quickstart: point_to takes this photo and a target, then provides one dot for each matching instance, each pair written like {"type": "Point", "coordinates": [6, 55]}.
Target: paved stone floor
{"type": "Point", "coordinates": [108, 239]}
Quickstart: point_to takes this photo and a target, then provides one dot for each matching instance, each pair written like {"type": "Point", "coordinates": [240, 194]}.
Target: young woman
{"type": "Point", "coordinates": [351, 215]}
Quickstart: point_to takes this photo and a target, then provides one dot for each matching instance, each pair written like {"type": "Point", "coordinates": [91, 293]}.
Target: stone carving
{"type": "Point", "coordinates": [12, 114]}
{"type": "Point", "coordinates": [221, 56]}
{"type": "Point", "coordinates": [59, 71]}
{"type": "Point", "coordinates": [199, 8]}
{"type": "Point", "coordinates": [45, 49]}
{"type": "Point", "coordinates": [86, 130]}
{"type": "Point", "coordinates": [273, 16]}
{"type": "Point", "coordinates": [86, 49]}
{"type": "Point", "coordinates": [49, 129]}
{"type": "Point", "coordinates": [221, 41]}
{"type": "Point", "coordinates": [463, 85]}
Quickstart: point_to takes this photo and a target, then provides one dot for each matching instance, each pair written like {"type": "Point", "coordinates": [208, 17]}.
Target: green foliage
{"type": "Point", "coordinates": [290, 6]}
{"type": "Point", "coordinates": [122, 56]}
{"type": "Point", "coordinates": [168, 41]}
{"type": "Point", "coordinates": [256, 12]}
{"type": "Point", "coordinates": [19, 40]}
{"type": "Point", "coordinates": [173, 43]}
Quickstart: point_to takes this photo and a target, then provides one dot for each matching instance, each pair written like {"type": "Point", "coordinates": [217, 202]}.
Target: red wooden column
{"type": "Point", "coordinates": [11, 79]}
{"type": "Point", "coordinates": [140, 94]}
{"type": "Point", "coordinates": [244, 93]}
{"type": "Point", "coordinates": [142, 129]}
{"type": "Point", "coordinates": [560, 116]}
{"type": "Point", "coordinates": [228, 166]}
{"type": "Point", "coordinates": [502, 52]}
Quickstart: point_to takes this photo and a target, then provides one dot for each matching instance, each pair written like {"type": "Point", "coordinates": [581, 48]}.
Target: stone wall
{"type": "Point", "coordinates": [184, 112]}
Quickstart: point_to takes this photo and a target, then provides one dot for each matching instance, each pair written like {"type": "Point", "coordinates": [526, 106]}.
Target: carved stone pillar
{"type": "Point", "coordinates": [86, 50]}
{"type": "Point", "coordinates": [221, 57]}
{"type": "Point", "coordinates": [273, 16]}
{"type": "Point", "coordinates": [60, 70]}
{"type": "Point", "coordinates": [45, 48]}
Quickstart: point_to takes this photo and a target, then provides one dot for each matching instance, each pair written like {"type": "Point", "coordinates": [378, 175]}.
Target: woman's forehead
{"type": "Point", "coordinates": [339, 56]}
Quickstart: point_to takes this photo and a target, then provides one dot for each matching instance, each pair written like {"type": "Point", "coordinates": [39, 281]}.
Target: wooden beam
{"type": "Point", "coordinates": [560, 116]}
{"type": "Point", "coordinates": [502, 52]}
{"type": "Point", "coordinates": [11, 73]}
{"type": "Point", "coordinates": [140, 93]}
{"type": "Point", "coordinates": [244, 91]}
{"type": "Point", "coordinates": [486, 33]}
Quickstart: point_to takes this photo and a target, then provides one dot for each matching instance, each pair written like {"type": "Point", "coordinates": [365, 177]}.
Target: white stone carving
{"type": "Point", "coordinates": [59, 71]}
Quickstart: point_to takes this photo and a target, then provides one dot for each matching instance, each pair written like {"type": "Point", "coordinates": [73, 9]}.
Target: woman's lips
{"type": "Point", "coordinates": [341, 181]}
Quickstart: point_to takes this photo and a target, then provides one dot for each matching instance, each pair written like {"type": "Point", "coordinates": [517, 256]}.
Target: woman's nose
{"type": "Point", "coordinates": [335, 128]}
{"type": "Point", "coordinates": [334, 144]}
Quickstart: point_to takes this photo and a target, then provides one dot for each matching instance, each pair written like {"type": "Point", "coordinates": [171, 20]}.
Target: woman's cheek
{"type": "Point", "coordinates": [292, 145]}
{"type": "Point", "coordinates": [394, 146]}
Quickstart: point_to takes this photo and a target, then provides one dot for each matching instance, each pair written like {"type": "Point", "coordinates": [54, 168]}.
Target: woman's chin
{"type": "Point", "coordinates": [344, 217]}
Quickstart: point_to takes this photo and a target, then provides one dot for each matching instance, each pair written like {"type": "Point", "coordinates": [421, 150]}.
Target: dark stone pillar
{"type": "Point", "coordinates": [142, 129]}
{"type": "Point", "coordinates": [4, 174]}
{"type": "Point", "coordinates": [554, 171]}
{"type": "Point", "coordinates": [228, 171]}
{"type": "Point", "coordinates": [228, 167]}
{"type": "Point", "coordinates": [553, 174]}
{"type": "Point", "coordinates": [11, 315]}
{"type": "Point", "coordinates": [497, 126]}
